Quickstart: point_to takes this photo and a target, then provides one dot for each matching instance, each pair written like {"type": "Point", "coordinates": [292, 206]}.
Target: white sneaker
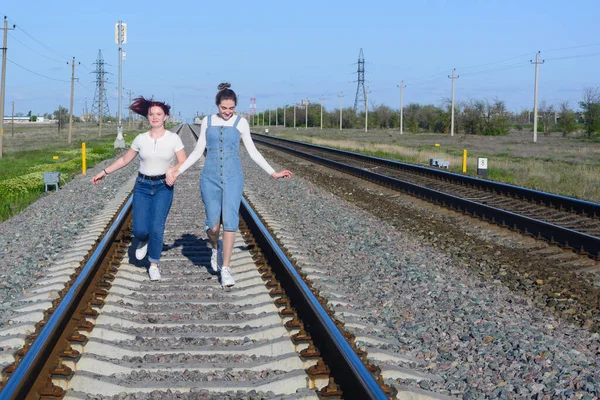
{"type": "Point", "coordinates": [226, 278]}
{"type": "Point", "coordinates": [154, 272]}
{"type": "Point", "coordinates": [142, 249]}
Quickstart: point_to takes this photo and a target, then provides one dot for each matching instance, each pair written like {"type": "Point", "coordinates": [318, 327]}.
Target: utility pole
{"type": "Point", "coordinates": [121, 39]}
{"type": "Point", "coordinates": [454, 77]}
{"type": "Point", "coordinates": [129, 117]}
{"type": "Point", "coordinates": [367, 109]}
{"type": "Point", "coordinates": [3, 81]}
{"type": "Point", "coordinates": [321, 101]}
{"type": "Point", "coordinates": [535, 96]}
{"type": "Point", "coordinates": [340, 96]}
{"type": "Point", "coordinates": [306, 114]}
{"type": "Point", "coordinates": [269, 117]}
{"type": "Point", "coordinates": [71, 104]}
{"type": "Point", "coordinates": [294, 113]}
{"type": "Point", "coordinates": [401, 86]}
{"type": "Point", "coordinates": [12, 128]}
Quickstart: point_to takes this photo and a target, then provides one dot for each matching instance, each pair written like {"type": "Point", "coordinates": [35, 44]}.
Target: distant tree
{"type": "Point", "coordinates": [472, 118]}
{"type": "Point", "coordinates": [547, 115]}
{"type": "Point", "coordinates": [383, 117]}
{"type": "Point", "coordinates": [566, 119]}
{"type": "Point", "coordinates": [591, 110]}
{"type": "Point", "coordinates": [521, 120]}
{"type": "Point", "coordinates": [411, 117]}
{"type": "Point", "coordinates": [431, 119]}
{"type": "Point", "coordinates": [61, 115]}
{"type": "Point", "coordinates": [497, 119]}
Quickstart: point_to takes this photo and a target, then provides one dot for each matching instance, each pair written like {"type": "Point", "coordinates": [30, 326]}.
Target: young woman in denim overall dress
{"type": "Point", "coordinates": [222, 179]}
{"type": "Point", "coordinates": [152, 195]}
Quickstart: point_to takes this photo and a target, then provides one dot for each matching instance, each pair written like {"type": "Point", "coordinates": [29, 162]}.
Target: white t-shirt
{"type": "Point", "coordinates": [244, 129]}
{"type": "Point", "coordinates": [156, 156]}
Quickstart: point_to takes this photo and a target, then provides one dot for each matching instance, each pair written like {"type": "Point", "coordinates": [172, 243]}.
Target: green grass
{"type": "Point", "coordinates": [22, 172]}
{"type": "Point", "coordinates": [29, 153]}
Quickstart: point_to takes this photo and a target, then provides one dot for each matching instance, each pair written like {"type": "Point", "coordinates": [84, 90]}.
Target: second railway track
{"type": "Point", "coordinates": [569, 223]}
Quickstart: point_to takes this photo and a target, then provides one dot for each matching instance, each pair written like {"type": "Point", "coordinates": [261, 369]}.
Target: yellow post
{"type": "Point", "coordinates": [83, 166]}
{"type": "Point", "coordinates": [464, 161]}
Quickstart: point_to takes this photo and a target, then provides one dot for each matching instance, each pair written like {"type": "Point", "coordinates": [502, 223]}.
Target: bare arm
{"type": "Point", "coordinates": [197, 153]}
{"type": "Point", "coordinates": [118, 164]}
{"type": "Point", "coordinates": [181, 157]}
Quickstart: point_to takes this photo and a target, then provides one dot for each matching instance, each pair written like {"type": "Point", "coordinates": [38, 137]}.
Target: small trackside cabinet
{"type": "Point", "coordinates": [52, 178]}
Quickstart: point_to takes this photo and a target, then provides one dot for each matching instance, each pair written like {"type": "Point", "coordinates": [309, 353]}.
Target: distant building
{"type": "Point", "coordinates": [22, 119]}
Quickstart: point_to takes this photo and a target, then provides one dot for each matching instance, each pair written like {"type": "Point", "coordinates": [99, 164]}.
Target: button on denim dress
{"type": "Point", "coordinates": [222, 180]}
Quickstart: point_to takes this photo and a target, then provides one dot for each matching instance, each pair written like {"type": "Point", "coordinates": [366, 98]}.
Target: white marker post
{"type": "Point", "coordinates": [482, 164]}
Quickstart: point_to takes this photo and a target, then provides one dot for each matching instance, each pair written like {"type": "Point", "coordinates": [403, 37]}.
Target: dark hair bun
{"type": "Point", "coordinates": [223, 86]}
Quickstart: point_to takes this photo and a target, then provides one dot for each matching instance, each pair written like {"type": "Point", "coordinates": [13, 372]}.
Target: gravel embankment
{"type": "Point", "coordinates": [483, 339]}
{"type": "Point", "coordinates": [35, 238]}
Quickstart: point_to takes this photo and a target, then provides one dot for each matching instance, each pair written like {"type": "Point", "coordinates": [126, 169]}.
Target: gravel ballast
{"type": "Point", "coordinates": [484, 339]}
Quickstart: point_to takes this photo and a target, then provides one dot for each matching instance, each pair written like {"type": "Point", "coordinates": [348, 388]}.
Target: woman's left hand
{"type": "Point", "coordinates": [171, 176]}
{"type": "Point", "coordinates": [282, 174]}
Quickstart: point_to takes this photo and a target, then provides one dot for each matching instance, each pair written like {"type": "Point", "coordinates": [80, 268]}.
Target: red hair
{"type": "Point", "coordinates": [141, 106]}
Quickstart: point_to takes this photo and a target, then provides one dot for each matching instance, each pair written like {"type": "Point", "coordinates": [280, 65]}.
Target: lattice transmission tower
{"type": "Point", "coordinates": [100, 104]}
{"type": "Point", "coordinates": [360, 100]}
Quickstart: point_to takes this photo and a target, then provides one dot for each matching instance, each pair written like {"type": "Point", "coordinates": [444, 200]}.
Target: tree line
{"type": "Point", "coordinates": [478, 117]}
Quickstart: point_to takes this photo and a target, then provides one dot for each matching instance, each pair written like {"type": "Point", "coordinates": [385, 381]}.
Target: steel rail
{"type": "Point", "coordinates": [553, 200]}
{"type": "Point", "coordinates": [564, 237]}
{"type": "Point", "coordinates": [349, 371]}
{"type": "Point", "coordinates": [28, 369]}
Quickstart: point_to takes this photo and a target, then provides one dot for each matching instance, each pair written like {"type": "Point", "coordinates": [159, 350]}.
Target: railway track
{"type": "Point", "coordinates": [569, 223]}
{"type": "Point", "coordinates": [268, 337]}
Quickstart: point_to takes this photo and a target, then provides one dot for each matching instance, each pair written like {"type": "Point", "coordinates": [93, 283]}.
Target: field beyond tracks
{"type": "Point", "coordinates": [569, 166]}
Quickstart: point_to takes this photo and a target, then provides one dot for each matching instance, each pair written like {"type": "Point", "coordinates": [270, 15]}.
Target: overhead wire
{"type": "Point", "coordinates": [37, 52]}
{"type": "Point", "coordinates": [36, 73]}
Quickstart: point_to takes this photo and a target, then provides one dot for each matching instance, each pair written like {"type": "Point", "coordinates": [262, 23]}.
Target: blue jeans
{"type": "Point", "coordinates": [151, 204]}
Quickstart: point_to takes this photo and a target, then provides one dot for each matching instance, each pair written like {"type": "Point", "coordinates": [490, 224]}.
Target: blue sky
{"type": "Point", "coordinates": [283, 51]}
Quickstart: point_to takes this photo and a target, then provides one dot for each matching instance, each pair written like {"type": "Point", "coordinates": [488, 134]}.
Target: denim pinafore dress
{"type": "Point", "coordinates": [222, 179]}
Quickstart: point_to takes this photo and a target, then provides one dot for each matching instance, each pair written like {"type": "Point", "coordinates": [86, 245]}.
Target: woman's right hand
{"type": "Point", "coordinates": [282, 174]}
{"type": "Point", "coordinates": [98, 177]}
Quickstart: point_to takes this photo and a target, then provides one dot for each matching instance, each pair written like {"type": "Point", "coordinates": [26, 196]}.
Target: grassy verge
{"type": "Point", "coordinates": [35, 149]}
{"type": "Point", "coordinates": [22, 172]}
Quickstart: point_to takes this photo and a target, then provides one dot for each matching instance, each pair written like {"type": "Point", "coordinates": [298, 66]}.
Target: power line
{"type": "Point", "coordinates": [574, 56]}
{"type": "Point", "coordinates": [24, 45]}
{"type": "Point", "coordinates": [573, 47]}
{"type": "Point", "coordinates": [519, 64]}
{"type": "Point", "coordinates": [496, 62]}
{"type": "Point", "coordinates": [82, 85]}
{"type": "Point", "coordinates": [45, 45]}
{"type": "Point", "coordinates": [35, 73]}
